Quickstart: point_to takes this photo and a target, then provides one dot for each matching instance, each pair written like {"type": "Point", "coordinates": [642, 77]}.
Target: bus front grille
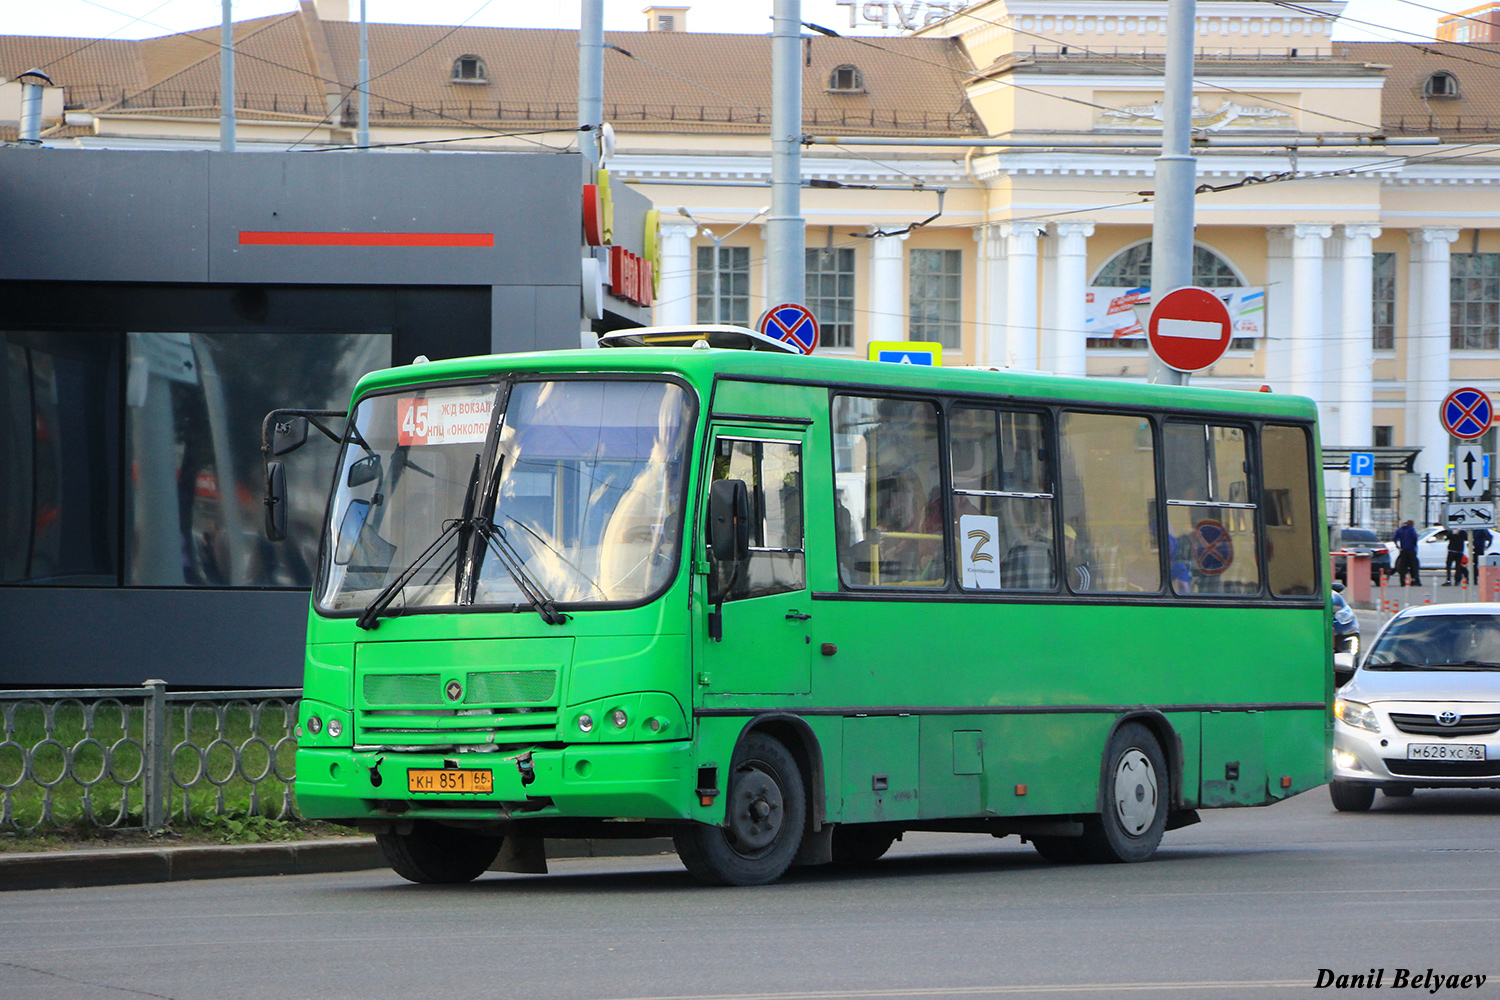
{"type": "Point", "coordinates": [499, 687]}
{"type": "Point", "coordinates": [403, 689]}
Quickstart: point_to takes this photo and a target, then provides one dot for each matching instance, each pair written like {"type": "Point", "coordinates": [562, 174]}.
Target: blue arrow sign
{"type": "Point", "coordinates": [906, 357]}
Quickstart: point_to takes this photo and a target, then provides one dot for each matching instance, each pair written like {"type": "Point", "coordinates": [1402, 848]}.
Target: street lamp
{"type": "Point", "coordinates": [718, 241]}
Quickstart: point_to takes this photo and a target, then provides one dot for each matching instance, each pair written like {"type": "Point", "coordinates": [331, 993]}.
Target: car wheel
{"type": "Point", "coordinates": [1135, 799]}
{"type": "Point", "coordinates": [1351, 796]}
{"type": "Point", "coordinates": [435, 855]}
{"type": "Point", "coordinates": [766, 813]}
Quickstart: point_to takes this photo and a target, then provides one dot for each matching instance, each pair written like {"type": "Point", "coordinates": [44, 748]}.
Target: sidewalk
{"type": "Point", "coordinates": [130, 865]}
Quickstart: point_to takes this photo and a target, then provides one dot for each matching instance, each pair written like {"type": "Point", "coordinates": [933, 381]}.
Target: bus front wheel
{"type": "Point", "coordinates": [766, 813]}
{"type": "Point", "coordinates": [434, 854]}
{"type": "Point", "coordinates": [1135, 799]}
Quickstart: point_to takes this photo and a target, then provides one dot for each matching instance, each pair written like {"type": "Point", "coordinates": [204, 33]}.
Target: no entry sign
{"type": "Point", "coordinates": [1189, 329]}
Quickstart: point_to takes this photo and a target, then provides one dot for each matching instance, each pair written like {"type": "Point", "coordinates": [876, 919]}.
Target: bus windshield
{"type": "Point", "coordinates": [575, 490]}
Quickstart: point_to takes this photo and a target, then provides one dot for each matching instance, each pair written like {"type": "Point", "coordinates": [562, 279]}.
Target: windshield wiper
{"type": "Point", "coordinates": [1466, 665]}
{"type": "Point", "coordinates": [512, 563]}
{"type": "Point", "coordinates": [369, 618]}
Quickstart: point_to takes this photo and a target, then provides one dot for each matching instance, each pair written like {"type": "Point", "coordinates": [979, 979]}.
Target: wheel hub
{"type": "Point", "coordinates": [1135, 792]}
{"type": "Point", "coordinates": [756, 809]}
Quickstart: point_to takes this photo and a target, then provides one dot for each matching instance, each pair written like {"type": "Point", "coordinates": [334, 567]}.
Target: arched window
{"type": "Point", "coordinates": [846, 79]}
{"type": "Point", "coordinates": [1440, 84]}
{"type": "Point", "coordinates": [469, 69]}
{"type": "Point", "coordinates": [1131, 268]}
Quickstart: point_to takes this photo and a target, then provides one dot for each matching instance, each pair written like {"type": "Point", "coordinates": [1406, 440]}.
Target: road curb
{"type": "Point", "coordinates": [130, 866]}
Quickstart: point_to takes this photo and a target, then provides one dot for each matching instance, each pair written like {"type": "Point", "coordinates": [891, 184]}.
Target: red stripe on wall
{"type": "Point", "coordinates": [367, 239]}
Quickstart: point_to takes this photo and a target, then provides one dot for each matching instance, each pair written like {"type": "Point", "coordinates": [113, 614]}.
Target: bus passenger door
{"type": "Point", "coordinates": [762, 602]}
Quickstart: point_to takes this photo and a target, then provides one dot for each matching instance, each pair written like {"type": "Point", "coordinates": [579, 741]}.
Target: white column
{"type": "Point", "coordinates": [1432, 344]}
{"type": "Point", "coordinates": [674, 306]}
{"type": "Point", "coordinates": [887, 288]}
{"type": "Point", "coordinates": [1071, 333]}
{"type": "Point", "coordinates": [1408, 340]}
{"type": "Point", "coordinates": [1357, 354]}
{"type": "Point", "coordinates": [1278, 343]}
{"type": "Point", "coordinates": [1306, 375]}
{"type": "Point", "coordinates": [1020, 297]}
{"type": "Point", "coordinates": [989, 340]}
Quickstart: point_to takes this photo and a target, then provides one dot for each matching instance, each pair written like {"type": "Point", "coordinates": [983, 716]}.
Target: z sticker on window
{"type": "Point", "coordinates": [978, 537]}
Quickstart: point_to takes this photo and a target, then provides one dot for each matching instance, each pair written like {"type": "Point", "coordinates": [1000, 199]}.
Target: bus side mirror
{"type": "Point", "coordinates": [729, 520]}
{"type": "Point", "coordinates": [275, 501]}
{"type": "Point", "coordinates": [288, 435]}
{"type": "Point", "coordinates": [366, 470]}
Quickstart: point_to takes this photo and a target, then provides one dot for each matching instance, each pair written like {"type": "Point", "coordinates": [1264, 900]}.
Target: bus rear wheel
{"type": "Point", "coordinates": [1136, 794]}
{"type": "Point", "coordinates": [766, 812]}
{"type": "Point", "coordinates": [861, 843]}
{"type": "Point", "coordinates": [438, 855]}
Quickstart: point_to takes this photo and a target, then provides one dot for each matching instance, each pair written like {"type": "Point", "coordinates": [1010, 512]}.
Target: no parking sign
{"type": "Point", "coordinates": [1213, 548]}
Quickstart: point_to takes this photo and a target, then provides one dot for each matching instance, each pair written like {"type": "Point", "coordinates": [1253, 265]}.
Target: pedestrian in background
{"type": "Point", "coordinates": [1454, 570]}
{"type": "Point", "coordinates": [1406, 554]}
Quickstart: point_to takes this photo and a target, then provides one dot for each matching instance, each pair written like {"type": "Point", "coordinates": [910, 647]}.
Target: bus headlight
{"type": "Point", "coordinates": [585, 723]}
{"type": "Point", "coordinates": [619, 718]}
{"type": "Point", "coordinates": [335, 729]}
{"type": "Point", "coordinates": [314, 724]}
{"type": "Point", "coordinates": [1355, 714]}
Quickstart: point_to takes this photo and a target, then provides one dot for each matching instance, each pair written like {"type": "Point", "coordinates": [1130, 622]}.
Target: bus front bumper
{"type": "Point", "coordinates": [643, 780]}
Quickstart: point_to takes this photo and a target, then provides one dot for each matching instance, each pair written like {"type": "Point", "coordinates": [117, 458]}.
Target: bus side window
{"type": "Point", "coordinates": [1109, 504]}
{"type": "Point", "coordinates": [890, 509]}
{"type": "Point", "coordinates": [772, 471]}
{"type": "Point", "coordinates": [1002, 500]}
{"type": "Point", "coordinates": [1291, 549]}
{"type": "Point", "coordinates": [1210, 520]}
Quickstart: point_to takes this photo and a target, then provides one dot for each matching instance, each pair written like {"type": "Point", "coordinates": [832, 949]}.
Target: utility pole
{"type": "Point", "coordinates": [226, 79]}
{"type": "Point", "coordinates": [590, 120]}
{"type": "Point", "coordinates": [786, 236]}
{"type": "Point", "coordinates": [362, 137]}
{"type": "Point", "coordinates": [1176, 175]}
{"type": "Point", "coordinates": [590, 84]}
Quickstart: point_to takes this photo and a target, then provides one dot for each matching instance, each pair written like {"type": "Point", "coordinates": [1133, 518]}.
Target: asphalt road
{"type": "Point", "coordinates": [1249, 903]}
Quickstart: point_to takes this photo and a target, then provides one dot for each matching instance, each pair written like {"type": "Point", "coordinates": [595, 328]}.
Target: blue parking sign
{"type": "Point", "coordinates": [1362, 463]}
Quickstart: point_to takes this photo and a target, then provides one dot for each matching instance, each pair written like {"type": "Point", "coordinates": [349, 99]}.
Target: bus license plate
{"type": "Point", "coordinates": [1445, 751]}
{"type": "Point", "coordinates": [449, 779]}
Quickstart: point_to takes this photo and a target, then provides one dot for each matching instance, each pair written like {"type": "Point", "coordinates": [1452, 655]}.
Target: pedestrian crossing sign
{"type": "Point", "coordinates": [907, 352]}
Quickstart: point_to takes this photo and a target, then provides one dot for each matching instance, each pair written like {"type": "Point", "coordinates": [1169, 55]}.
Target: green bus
{"type": "Point", "coordinates": [785, 609]}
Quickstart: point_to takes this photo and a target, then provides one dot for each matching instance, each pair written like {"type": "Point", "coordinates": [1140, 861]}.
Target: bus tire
{"type": "Point", "coordinates": [861, 843]}
{"type": "Point", "coordinates": [438, 855]}
{"type": "Point", "coordinates": [1351, 796]}
{"type": "Point", "coordinates": [765, 812]}
{"type": "Point", "coordinates": [1059, 850]}
{"type": "Point", "coordinates": [1136, 794]}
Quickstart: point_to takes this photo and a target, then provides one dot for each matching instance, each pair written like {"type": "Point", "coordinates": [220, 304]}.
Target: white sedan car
{"type": "Point", "coordinates": [1432, 551]}
{"type": "Point", "coordinates": [1423, 709]}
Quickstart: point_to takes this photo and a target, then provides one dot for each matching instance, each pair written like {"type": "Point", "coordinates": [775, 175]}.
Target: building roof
{"type": "Point", "coordinates": [682, 82]}
{"type": "Point", "coordinates": [1474, 112]}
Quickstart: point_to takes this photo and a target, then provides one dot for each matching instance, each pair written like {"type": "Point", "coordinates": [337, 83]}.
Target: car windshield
{"type": "Point", "coordinates": [1438, 642]}
{"type": "Point", "coordinates": [573, 494]}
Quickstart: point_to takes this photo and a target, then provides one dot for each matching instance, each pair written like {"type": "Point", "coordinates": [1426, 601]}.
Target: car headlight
{"type": "Point", "coordinates": [1352, 713]}
{"type": "Point", "coordinates": [1344, 616]}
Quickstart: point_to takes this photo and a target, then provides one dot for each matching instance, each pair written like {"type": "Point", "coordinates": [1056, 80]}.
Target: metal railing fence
{"type": "Point", "coordinates": [139, 758]}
